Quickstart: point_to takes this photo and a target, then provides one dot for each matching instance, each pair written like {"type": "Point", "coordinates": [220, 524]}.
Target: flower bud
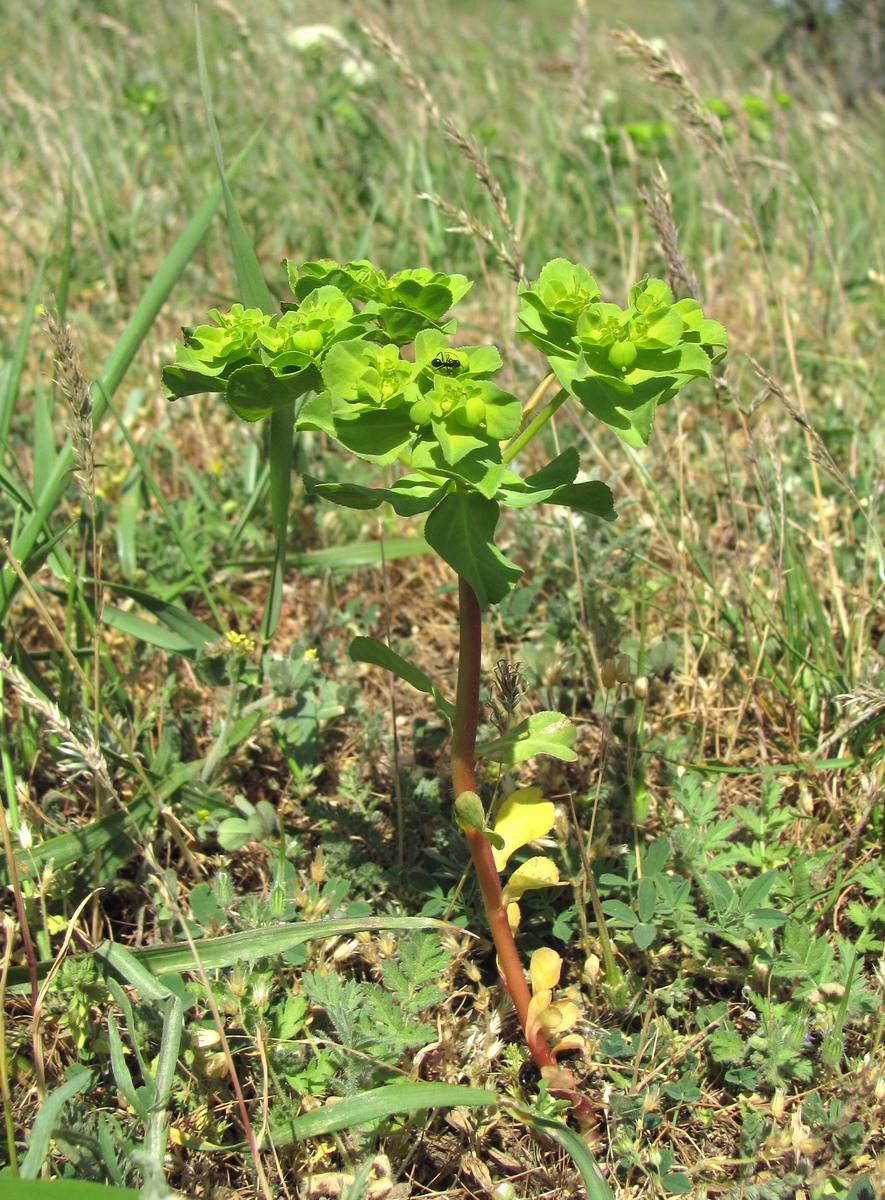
{"type": "Point", "coordinates": [608, 673]}
{"type": "Point", "coordinates": [386, 945]}
{"type": "Point", "coordinates": [318, 867]}
{"type": "Point", "coordinates": [277, 900]}
{"type": "Point", "coordinates": [640, 687]}
{"type": "Point", "coordinates": [237, 983]}
{"type": "Point", "coordinates": [261, 993]}
{"type": "Point", "coordinates": [223, 887]}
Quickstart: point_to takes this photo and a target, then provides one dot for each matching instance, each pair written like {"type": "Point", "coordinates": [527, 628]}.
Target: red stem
{"type": "Point", "coordinates": [464, 780]}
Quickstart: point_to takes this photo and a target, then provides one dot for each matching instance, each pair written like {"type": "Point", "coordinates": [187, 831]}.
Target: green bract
{"type": "Point", "coordinates": [262, 362]}
{"type": "Point", "coordinates": [368, 359]}
{"type": "Point", "coordinates": [403, 304]}
{"type": "Point", "coordinates": [620, 363]}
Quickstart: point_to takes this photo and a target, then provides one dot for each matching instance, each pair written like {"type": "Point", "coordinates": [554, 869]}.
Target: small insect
{"type": "Point", "coordinates": [446, 364]}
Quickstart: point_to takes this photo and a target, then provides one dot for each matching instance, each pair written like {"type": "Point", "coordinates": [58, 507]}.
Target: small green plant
{"type": "Point", "coordinates": [334, 360]}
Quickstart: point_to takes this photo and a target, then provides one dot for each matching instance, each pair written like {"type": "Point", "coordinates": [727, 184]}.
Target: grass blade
{"type": "Point", "coordinates": [576, 1147]}
{"type": "Point", "coordinates": [13, 374]}
{"type": "Point", "coordinates": [346, 557]}
{"type": "Point", "coordinates": [282, 425]}
{"type": "Point", "coordinates": [124, 963]}
{"type": "Point", "coordinates": [61, 1189]}
{"type": "Point", "coordinates": [41, 1131]}
{"type": "Point", "coordinates": [111, 838]}
{"type": "Point", "coordinates": [254, 293]}
{"type": "Point", "coordinates": [381, 1102]}
{"type": "Point", "coordinates": [113, 371]}
{"type": "Point", "coordinates": [249, 945]}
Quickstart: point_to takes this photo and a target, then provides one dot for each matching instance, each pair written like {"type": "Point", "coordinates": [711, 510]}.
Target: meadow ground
{"type": "Point", "coordinates": [275, 815]}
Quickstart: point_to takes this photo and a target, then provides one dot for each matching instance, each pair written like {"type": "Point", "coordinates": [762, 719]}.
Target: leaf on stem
{"type": "Point", "coordinates": [523, 817]}
{"type": "Point", "coordinates": [541, 733]}
{"type": "Point", "coordinates": [370, 650]}
{"type": "Point", "coordinates": [461, 529]}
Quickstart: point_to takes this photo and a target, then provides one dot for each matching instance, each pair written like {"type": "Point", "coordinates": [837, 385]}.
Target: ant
{"type": "Point", "coordinates": [446, 364]}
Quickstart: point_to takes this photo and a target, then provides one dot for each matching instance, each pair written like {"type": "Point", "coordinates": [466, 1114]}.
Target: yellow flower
{"type": "Point", "coordinates": [552, 1018]}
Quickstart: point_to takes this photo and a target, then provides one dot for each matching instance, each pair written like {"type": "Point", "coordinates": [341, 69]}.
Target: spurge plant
{"type": "Point", "coordinates": [333, 362]}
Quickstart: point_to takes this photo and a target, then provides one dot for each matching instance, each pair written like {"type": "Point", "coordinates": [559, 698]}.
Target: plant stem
{"type": "Point", "coordinates": [533, 426]}
{"type": "Point", "coordinates": [464, 780]}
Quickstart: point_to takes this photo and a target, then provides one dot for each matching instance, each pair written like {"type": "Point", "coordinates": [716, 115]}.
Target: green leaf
{"type": "Point", "coordinates": [78, 1079]}
{"type": "Point", "coordinates": [655, 858]}
{"type": "Point", "coordinates": [482, 471]}
{"type": "Point", "coordinates": [455, 442]}
{"type": "Point", "coordinates": [646, 897]}
{"type": "Point", "coordinates": [62, 1189]}
{"type": "Point", "coordinates": [179, 381]}
{"type": "Point", "coordinates": [385, 1101]}
{"type": "Point", "coordinates": [462, 530]}
{"type": "Point", "coordinates": [409, 496]}
{"type": "Point", "coordinates": [677, 1183]}
{"type": "Point", "coordinates": [377, 435]}
{"type": "Point", "coordinates": [234, 833]}
{"type": "Point", "coordinates": [644, 935]}
{"type": "Point", "coordinates": [757, 891]}
{"type": "Point", "coordinates": [254, 391]}
{"type": "Point", "coordinates": [619, 911]}
{"type": "Point", "coordinates": [557, 473]}
{"type": "Point", "coordinates": [111, 840]}
{"type": "Point", "coordinates": [629, 414]}
{"type": "Point", "coordinates": [575, 1146]}
{"type": "Point", "coordinates": [469, 812]}
{"type": "Point", "coordinates": [542, 733]}
{"type": "Point", "coordinates": [370, 650]}
{"type": "Point", "coordinates": [591, 497]}
{"type": "Point", "coordinates": [248, 945]}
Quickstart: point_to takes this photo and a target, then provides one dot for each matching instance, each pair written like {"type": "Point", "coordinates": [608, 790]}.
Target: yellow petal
{"type": "Point", "coordinates": [536, 873]}
{"type": "Point", "coordinates": [558, 1017]}
{"type": "Point", "coordinates": [523, 817]}
{"type": "Point", "coordinates": [571, 1041]}
{"type": "Point", "coordinates": [534, 1017]}
{"type": "Point", "coordinates": [544, 970]}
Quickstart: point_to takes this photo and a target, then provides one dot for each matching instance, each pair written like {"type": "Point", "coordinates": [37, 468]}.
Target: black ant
{"type": "Point", "coordinates": [445, 363]}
